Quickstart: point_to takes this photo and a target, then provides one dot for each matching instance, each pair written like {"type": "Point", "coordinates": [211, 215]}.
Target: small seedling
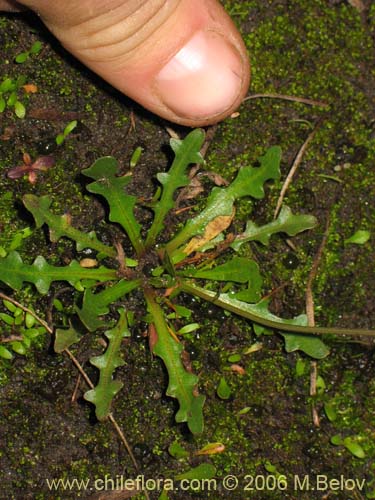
{"type": "Point", "coordinates": [60, 138]}
{"type": "Point", "coordinates": [15, 241]}
{"type": "Point", "coordinates": [31, 168]}
{"type": "Point", "coordinates": [223, 390]}
{"type": "Point", "coordinates": [18, 330]}
{"type": "Point", "coordinates": [22, 57]}
{"type": "Point", "coordinates": [360, 237]}
{"type": "Point", "coordinates": [351, 443]}
{"type": "Point", "coordinates": [9, 96]}
{"type": "Point", "coordinates": [135, 157]}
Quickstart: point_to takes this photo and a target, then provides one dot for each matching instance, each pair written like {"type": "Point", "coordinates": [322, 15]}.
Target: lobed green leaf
{"type": "Point", "coordinates": [286, 222]}
{"type": "Point", "coordinates": [186, 152]}
{"type": "Point", "coordinates": [14, 272]}
{"type": "Point", "coordinates": [182, 384]}
{"type": "Point", "coordinates": [96, 305]}
{"type": "Point", "coordinates": [59, 225]}
{"type": "Point", "coordinates": [238, 269]}
{"type": "Point", "coordinates": [102, 395]}
{"type": "Point", "coordinates": [121, 204]}
{"type": "Point", "coordinates": [249, 182]}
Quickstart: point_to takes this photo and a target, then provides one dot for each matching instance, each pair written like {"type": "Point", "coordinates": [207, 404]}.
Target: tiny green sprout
{"type": "Point", "coordinates": [9, 96]}
{"type": "Point", "coordinates": [330, 411]}
{"type": "Point", "coordinates": [22, 57]}
{"type": "Point", "coordinates": [177, 451]}
{"type": "Point", "coordinates": [350, 443]}
{"type": "Point", "coordinates": [135, 157]}
{"type": "Point", "coordinates": [223, 390]}
{"type": "Point", "coordinates": [163, 495]}
{"type": "Point", "coordinates": [234, 358]}
{"type": "Point", "coordinates": [281, 478]}
{"type": "Point", "coordinates": [320, 384]}
{"type": "Point", "coordinates": [58, 305]}
{"type": "Point", "coordinates": [19, 329]}
{"type": "Point", "coordinates": [16, 241]}
{"type": "Point", "coordinates": [360, 237]}
{"type": "Point", "coordinates": [269, 467]}
{"type": "Point", "coordinates": [60, 138]}
{"type": "Point", "coordinates": [257, 346]}
{"type": "Point", "coordinates": [244, 411]}
{"type": "Point", "coordinates": [300, 367]}
{"type": "Point", "coordinates": [202, 471]}
{"type": "Point", "coordinates": [191, 327]}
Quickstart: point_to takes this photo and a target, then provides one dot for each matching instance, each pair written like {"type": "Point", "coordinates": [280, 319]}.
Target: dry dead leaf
{"type": "Point", "coordinates": [357, 4]}
{"type": "Point", "coordinates": [211, 449]}
{"type": "Point", "coordinates": [7, 134]}
{"type": "Point", "coordinates": [88, 262]}
{"type": "Point", "coordinates": [30, 88]}
{"type": "Point", "coordinates": [191, 191]}
{"type": "Point", "coordinates": [215, 227]}
{"type": "Point", "coordinates": [217, 179]}
{"type": "Point", "coordinates": [238, 369]}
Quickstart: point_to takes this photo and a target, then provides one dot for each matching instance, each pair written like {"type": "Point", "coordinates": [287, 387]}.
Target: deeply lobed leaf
{"type": "Point", "coordinates": [59, 225]}
{"type": "Point", "coordinates": [96, 305]}
{"type": "Point", "coordinates": [286, 222]}
{"type": "Point", "coordinates": [102, 395]}
{"type": "Point", "coordinates": [121, 204]}
{"type": "Point", "coordinates": [182, 384]}
{"type": "Point", "coordinates": [249, 182]}
{"type": "Point", "coordinates": [14, 272]}
{"type": "Point", "coordinates": [186, 152]}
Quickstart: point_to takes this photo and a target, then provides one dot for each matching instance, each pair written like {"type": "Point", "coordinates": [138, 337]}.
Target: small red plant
{"type": "Point", "coordinates": [31, 168]}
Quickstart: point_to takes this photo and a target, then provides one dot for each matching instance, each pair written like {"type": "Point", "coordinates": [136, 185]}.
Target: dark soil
{"type": "Point", "coordinates": [318, 49]}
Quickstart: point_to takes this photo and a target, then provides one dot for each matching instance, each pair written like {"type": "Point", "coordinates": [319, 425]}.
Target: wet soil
{"type": "Point", "coordinates": [322, 50]}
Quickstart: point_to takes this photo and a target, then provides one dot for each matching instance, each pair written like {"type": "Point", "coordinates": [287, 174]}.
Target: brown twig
{"type": "Point", "coordinates": [302, 100]}
{"type": "Point", "coordinates": [26, 309]}
{"type": "Point", "coordinates": [313, 379]}
{"type": "Point", "coordinates": [296, 164]}
{"type": "Point", "coordinates": [358, 4]}
{"type": "Point", "coordinates": [76, 388]}
{"type": "Point", "coordinates": [311, 316]}
{"type": "Point", "coordinates": [312, 275]}
{"type": "Point", "coordinates": [82, 373]}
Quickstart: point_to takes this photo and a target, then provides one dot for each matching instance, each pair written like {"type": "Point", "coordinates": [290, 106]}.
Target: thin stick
{"type": "Point", "coordinates": [76, 388]}
{"type": "Point", "coordinates": [313, 379]}
{"type": "Point", "coordinates": [311, 317]}
{"type": "Point", "coordinates": [81, 371]}
{"type": "Point", "coordinates": [296, 164]}
{"type": "Point", "coordinates": [26, 309]}
{"type": "Point", "coordinates": [358, 4]}
{"type": "Point", "coordinates": [302, 100]}
{"type": "Point", "coordinates": [312, 276]}
{"type": "Point", "coordinates": [123, 439]}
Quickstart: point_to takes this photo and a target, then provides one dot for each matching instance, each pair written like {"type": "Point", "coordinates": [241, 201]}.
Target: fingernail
{"type": "Point", "coordinates": [203, 79]}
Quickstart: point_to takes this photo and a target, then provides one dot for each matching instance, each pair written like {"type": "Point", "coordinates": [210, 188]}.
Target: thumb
{"type": "Point", "coordinates": [182, 59]}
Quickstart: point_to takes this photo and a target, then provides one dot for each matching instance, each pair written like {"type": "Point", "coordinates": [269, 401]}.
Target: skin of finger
{"type": "Point", "coordinates": [129, 41]}
{"type": "Point", "coordinates": [10, 6]}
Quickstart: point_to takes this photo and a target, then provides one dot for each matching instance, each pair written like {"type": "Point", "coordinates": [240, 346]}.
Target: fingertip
{"type": "Point", "coordinates": [205, 80]}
